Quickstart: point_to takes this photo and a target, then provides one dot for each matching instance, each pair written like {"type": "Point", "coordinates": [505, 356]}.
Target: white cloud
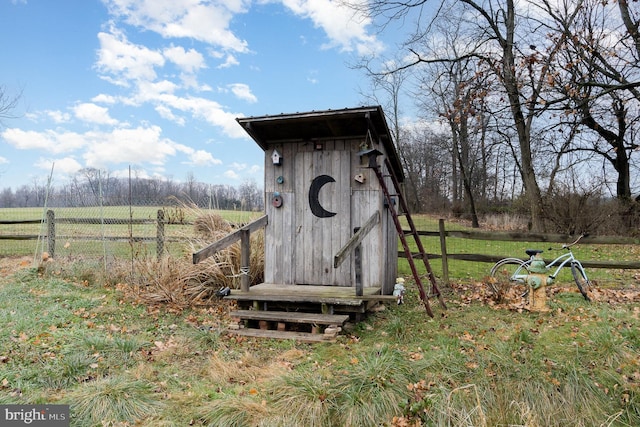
{"type": "Point", "coordinates": [345, 27]}
{"type": "Point", "coordinates": [203, 158]}
{"type": "Point", "coordinates": [3, 160]}
{"type": "Point", "coordinates": [120, 61]}
{"type": "Point", "coordinates": [92, 113]}
{"type": "Point", "coordinates": [204, 20]}
{"type": "Point", "coordinates": [149, 91]}
{"type": "Point", "coordinates": [229, 62]}
{"type": "Point", "coordinates": [66, 165]}
{"type": "Point", "coordinates": [143, 145]}
{"type": "Point", "coordinates": [243, 91]}
{"type": "Point", "coordinates": [231, 174]}
{"type": "Point", "coordinates": [50, 141]}
{"type": "Point", "coordinates": [166, 113]}
{"type": "Point", "coordinates": [239, 166]}
{"type": "Point", "coordinates": [103, 98]}
{"type": "Point", "coordinates": [200, 108]}
{"type": "Point", "coordinates": [189, 61]}
{"type": "Point", "coordinates": [242, 170]}
{"type": "Point", "coordinates": [133, 146]}
{"type": "Point", "coordinates": [58, 116]}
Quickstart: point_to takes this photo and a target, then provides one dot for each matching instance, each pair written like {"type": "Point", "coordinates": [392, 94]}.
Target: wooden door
{"type": "Point", "coordinates": [323, 223]}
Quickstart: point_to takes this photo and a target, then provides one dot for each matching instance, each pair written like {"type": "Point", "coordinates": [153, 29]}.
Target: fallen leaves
{"type": "Point", "coordinates": [512, 298]}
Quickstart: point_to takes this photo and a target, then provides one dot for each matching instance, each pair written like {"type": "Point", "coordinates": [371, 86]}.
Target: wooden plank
{"type": "Point", "coordinates": [623, 265]}
{"type": "Point", "coordinates": [387, 298]}
{"type": "Point", "coordinates": [356, 239]}
{"type": "Point", "coordinates": [282, 335]}
{"type": "Point", "coordinates": [19, 236]}
{"type": "Point", "coordinates": [228, 239]}
{"type": "Point", "coordinates": [245, 256]}
{"type": "Point", "coordinates": [250, 296]}
{"type": "Point", "coordinates": [533, 237]}
{"type": "Point", "coordinates": [291, 317]}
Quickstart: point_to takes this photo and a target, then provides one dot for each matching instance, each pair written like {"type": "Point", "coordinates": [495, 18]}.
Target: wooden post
{"type": "Point", "coordinates": [51, 233]}
{"type": "Point", "coordinates": [160, 233]}
{"type": "Point", "coordinates": [357, 259]}
{"type": "Point", "coordinates": [245, 255]}
{"type": "Point", "coordinates": [443, 249]}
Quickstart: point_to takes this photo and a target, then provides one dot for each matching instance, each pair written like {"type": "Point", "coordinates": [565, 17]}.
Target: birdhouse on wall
{"type": "Point", "coordinates": [324, 193]}
{"type": "Point", "coordinates": [276, 158]}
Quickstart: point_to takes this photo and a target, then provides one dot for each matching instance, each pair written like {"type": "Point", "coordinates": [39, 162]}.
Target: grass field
{"type": "Point", "coordinates": [119, 362]}
{"type": "Point", "coordinates": [73, 241]}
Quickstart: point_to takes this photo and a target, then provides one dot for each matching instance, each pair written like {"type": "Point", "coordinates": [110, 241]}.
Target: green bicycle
{"type": "Point", "coordinates": [516, 270]}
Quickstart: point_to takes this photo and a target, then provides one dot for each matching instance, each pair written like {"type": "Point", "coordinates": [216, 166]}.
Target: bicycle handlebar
{"type": "Point", "coordinates": [568, 245]}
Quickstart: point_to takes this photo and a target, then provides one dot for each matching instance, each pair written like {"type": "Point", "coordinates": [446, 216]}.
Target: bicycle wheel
{"type": "Point", "coordinates": [507, 270]}
{"type": "Point", "coordinates": [581, 279]}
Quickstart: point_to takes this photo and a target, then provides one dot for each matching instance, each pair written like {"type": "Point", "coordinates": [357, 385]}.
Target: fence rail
{"type": "Point", "coordinates": [445, 256]}
{"type": "Point", "coordinates": [442, 234]}
{"type": "Point", "coordinates": [52, 235]}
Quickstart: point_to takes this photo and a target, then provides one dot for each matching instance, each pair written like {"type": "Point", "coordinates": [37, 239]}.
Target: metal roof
{"type": "Point", "coordinates": [328, 124]}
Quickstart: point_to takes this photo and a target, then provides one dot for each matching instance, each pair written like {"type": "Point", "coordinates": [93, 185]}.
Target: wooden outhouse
{"type": "Point", "coordinates": [320, 189]}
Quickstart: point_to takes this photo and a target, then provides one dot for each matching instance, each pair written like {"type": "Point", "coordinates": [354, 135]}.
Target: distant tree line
{"type": "Point", "coordinates": [94, 187]}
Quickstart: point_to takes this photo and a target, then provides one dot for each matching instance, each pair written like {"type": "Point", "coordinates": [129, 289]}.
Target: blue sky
{"type": "Point", "coordinates": [157, 84]}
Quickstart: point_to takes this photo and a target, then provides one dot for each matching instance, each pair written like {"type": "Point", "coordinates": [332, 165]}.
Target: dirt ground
{"type": "Point", "coordinates": [10, 265]}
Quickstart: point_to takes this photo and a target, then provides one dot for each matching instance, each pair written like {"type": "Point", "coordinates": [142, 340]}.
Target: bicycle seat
{"type": "Point", "coordinates": [532, 252]}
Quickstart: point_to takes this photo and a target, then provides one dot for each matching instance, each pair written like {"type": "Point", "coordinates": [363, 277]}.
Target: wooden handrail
{"type": "Point", "coordinates": [229, 239]}
{"type": "Point", "coordinates": [356, 239]}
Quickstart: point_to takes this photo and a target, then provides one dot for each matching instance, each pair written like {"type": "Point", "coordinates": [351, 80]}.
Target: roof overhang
{"type": "Point", "coordinates": [348, 123]}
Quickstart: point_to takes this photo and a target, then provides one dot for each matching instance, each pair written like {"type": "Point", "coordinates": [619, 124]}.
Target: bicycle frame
{"type": "Point", "coordinates": [569, 259]}
{"type": "Point", "coordinates": [522, 268]}
{"type": "Point", "coordinates": [564, 259]}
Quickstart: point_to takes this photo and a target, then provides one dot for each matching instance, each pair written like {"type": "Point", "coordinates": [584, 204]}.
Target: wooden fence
{"type": "Point", "coordinates": [445, 256]}
{"type": "Point", "coordinates": [51, 236]}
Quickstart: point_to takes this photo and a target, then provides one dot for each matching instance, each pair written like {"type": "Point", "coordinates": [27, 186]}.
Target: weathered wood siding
{"type": "Point", "coordinates": [301, 246]}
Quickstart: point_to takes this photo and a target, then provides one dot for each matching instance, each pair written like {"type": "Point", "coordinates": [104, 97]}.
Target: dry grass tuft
{"type": "Point", "coordinates": [248, 368]}
{"type": "Point", "coordinates": [211, 226]}
{"type": "Point", "coordinates": [178, 282]}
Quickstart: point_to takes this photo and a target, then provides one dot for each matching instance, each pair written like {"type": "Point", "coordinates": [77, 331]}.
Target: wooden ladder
{"type": "Point", "coordinates": [403, 210]}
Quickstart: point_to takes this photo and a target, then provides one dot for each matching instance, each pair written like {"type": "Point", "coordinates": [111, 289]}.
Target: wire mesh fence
{"type": "Point", "coordinates": [105, 233]}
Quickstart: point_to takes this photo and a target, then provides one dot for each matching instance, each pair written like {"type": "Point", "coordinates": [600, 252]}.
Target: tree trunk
{"type": "Point", "coordinates": [510, 83]}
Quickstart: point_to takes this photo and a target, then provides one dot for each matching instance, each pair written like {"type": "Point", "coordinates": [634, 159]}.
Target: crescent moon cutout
{"type": "Point", "coordinates": [314, 192]}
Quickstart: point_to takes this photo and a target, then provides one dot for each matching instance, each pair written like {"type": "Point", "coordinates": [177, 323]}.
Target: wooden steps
{"type": "Point", "coordinates": [299, 326]}
{"type": "Point", "coordinates": [306, 313]}
{"type": "Point", "coordinates": [291, 317]}
{"type": "Point", "coordinates": [282, 335]}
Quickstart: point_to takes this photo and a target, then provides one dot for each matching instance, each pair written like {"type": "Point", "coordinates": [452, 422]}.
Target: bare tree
{"type": "Point", "coordinates": [8, 103]}
{"type": "Point", "coordinates": [456, 92]}
{"type": "Point", "coordinates": [504, 44]}
{"type": "Point", "coordinates": [428, 168]}
{"type": "Point", "coordinates": [600, 80]}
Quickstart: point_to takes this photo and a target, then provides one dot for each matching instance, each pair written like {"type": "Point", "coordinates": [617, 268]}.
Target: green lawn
{"type": "Point", "coordinates": [119, 362]}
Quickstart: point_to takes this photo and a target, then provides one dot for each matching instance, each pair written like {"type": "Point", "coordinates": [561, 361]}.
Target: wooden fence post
{"type": "Point", "coordinates": [443, 249]}
{"type": "Point", "coordinates": [51, 233]}
{"type": "Point", "coordinates": [245, 259]}
{"type": "Point", "coordinates": [357, 259]}
{"type": "Point", "coordinates": [160, 233]}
